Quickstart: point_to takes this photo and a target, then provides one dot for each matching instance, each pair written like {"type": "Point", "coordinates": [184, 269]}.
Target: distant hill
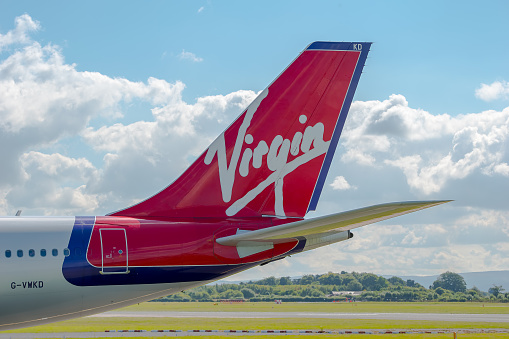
{"type": "Point", "coordinates": [482, 280]}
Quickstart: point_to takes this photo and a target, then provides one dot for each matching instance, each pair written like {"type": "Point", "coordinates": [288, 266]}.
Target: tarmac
{"type": "Point", "coordinates": [490, 318]}
{"type": "Point", "coordinates": [168, 333]}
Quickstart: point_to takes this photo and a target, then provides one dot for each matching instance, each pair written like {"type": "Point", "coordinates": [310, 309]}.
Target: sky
{"type": "Point", "coordinates": [103, 104]}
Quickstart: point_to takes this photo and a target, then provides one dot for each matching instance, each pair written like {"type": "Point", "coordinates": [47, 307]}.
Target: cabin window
{"type": "Point", "coordinates": [43, 253]}
{"type": "Point", "coordinates": [67, 252]}
{"type": "Point", "coordinates": [8, 253]}
{"type": "Point", "coordinates": [20, 253]}
{"type": "Point", "coordinates": [31, 252]}
{"type": "Point", "coordinates": [54, 252]}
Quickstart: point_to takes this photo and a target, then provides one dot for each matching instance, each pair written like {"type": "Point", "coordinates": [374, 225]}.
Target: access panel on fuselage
{"type": "Point", "coordinates": [114, 251]}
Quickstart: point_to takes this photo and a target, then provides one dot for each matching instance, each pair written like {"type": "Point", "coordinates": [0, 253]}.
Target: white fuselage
{"type": "Point", "coordinates": [33, 289]}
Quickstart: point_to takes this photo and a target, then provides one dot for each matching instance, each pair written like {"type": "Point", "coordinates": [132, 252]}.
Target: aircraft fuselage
{"type": "Point", "coordinates": [60, 266]}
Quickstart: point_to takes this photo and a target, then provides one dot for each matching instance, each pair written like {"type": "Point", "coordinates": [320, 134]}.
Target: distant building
{"type": "Point", "coordinates": [345, 293]}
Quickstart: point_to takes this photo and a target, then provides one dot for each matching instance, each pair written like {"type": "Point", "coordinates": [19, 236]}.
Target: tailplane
{"type": "Point", "coordinates": [273, 159]}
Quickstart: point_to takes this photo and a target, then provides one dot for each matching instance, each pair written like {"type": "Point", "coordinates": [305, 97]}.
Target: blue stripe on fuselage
{"type": "Point", "coordinates": [78, 271]}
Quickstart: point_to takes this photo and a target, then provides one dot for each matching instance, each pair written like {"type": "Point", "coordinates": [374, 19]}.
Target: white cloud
{"type": "Point", "coordinates": [502, 168]}
{"type": "Point", "coordinates": [496, 91]}
{"type": "Point", "coordinates": [54, 183]}
{"type": "Point", "coordinates": [430, 150]}
{"type": "Point", "coordinates": [201, 9]}
{"type": "Point", "coordinates": [412, 239]}
{"type": "Point", "coordinates": [340, 183]}
{"type": "Point", "coordinates": [160, 150]}
{"type": "Point", "coordinates": [44, 100]}
{"type": "Point", "coordinates": [19, 35]}
{"type": "Point", "coordinates": [189, 56]}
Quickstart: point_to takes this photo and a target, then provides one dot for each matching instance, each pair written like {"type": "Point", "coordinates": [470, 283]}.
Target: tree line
{"type": "Point", "coordinates": [448, 287]}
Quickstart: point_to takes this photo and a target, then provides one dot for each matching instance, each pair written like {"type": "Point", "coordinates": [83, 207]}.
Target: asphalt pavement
{"type": "Point", "coordinates": [492, 318]}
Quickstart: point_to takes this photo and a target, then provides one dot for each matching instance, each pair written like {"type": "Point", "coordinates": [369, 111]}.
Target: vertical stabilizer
{"type": "Point", "coordinates": [275, 156]}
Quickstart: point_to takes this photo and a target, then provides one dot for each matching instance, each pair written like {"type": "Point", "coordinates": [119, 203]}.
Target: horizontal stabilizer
{"type": "Point", "coordinates": [335, 222]}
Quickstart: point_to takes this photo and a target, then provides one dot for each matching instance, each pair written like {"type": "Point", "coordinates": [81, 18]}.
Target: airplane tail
{"type": "Point", "coordinates": [273, 159]}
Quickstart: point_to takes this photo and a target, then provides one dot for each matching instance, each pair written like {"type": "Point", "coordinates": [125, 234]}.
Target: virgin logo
{"type": "Point", "coordinates": [303, 146]}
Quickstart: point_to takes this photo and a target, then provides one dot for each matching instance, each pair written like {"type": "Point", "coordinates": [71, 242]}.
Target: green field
{"type": "Point", "coordinates": [103, 324]}
{"type": "Point", "coordinates": [328, 307]}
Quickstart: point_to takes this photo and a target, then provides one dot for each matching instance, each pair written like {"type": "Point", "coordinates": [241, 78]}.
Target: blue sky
{"type": "Point", "coordinates": [435, 53]}
{"type": "Point", "coordinates": [105, 103]}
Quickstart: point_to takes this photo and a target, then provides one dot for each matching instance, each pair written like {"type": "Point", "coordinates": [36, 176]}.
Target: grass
{"type": "Point", "coordinates": [327, 307]}
{"type": "Point", "coordinates": [184, 324]}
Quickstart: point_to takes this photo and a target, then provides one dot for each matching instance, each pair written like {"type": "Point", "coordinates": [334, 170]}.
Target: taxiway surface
{"type": "Point", "coordinates": [499, 318]}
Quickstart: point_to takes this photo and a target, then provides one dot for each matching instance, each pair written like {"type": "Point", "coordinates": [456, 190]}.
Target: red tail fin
{"type": "Point", "coordinates": [274, 158]}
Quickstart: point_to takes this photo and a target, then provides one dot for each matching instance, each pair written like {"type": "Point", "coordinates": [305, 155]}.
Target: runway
{"type": "Point", "coordinates": [491, 318]}
{"type": "Point", "coordinates": [152, 334]}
